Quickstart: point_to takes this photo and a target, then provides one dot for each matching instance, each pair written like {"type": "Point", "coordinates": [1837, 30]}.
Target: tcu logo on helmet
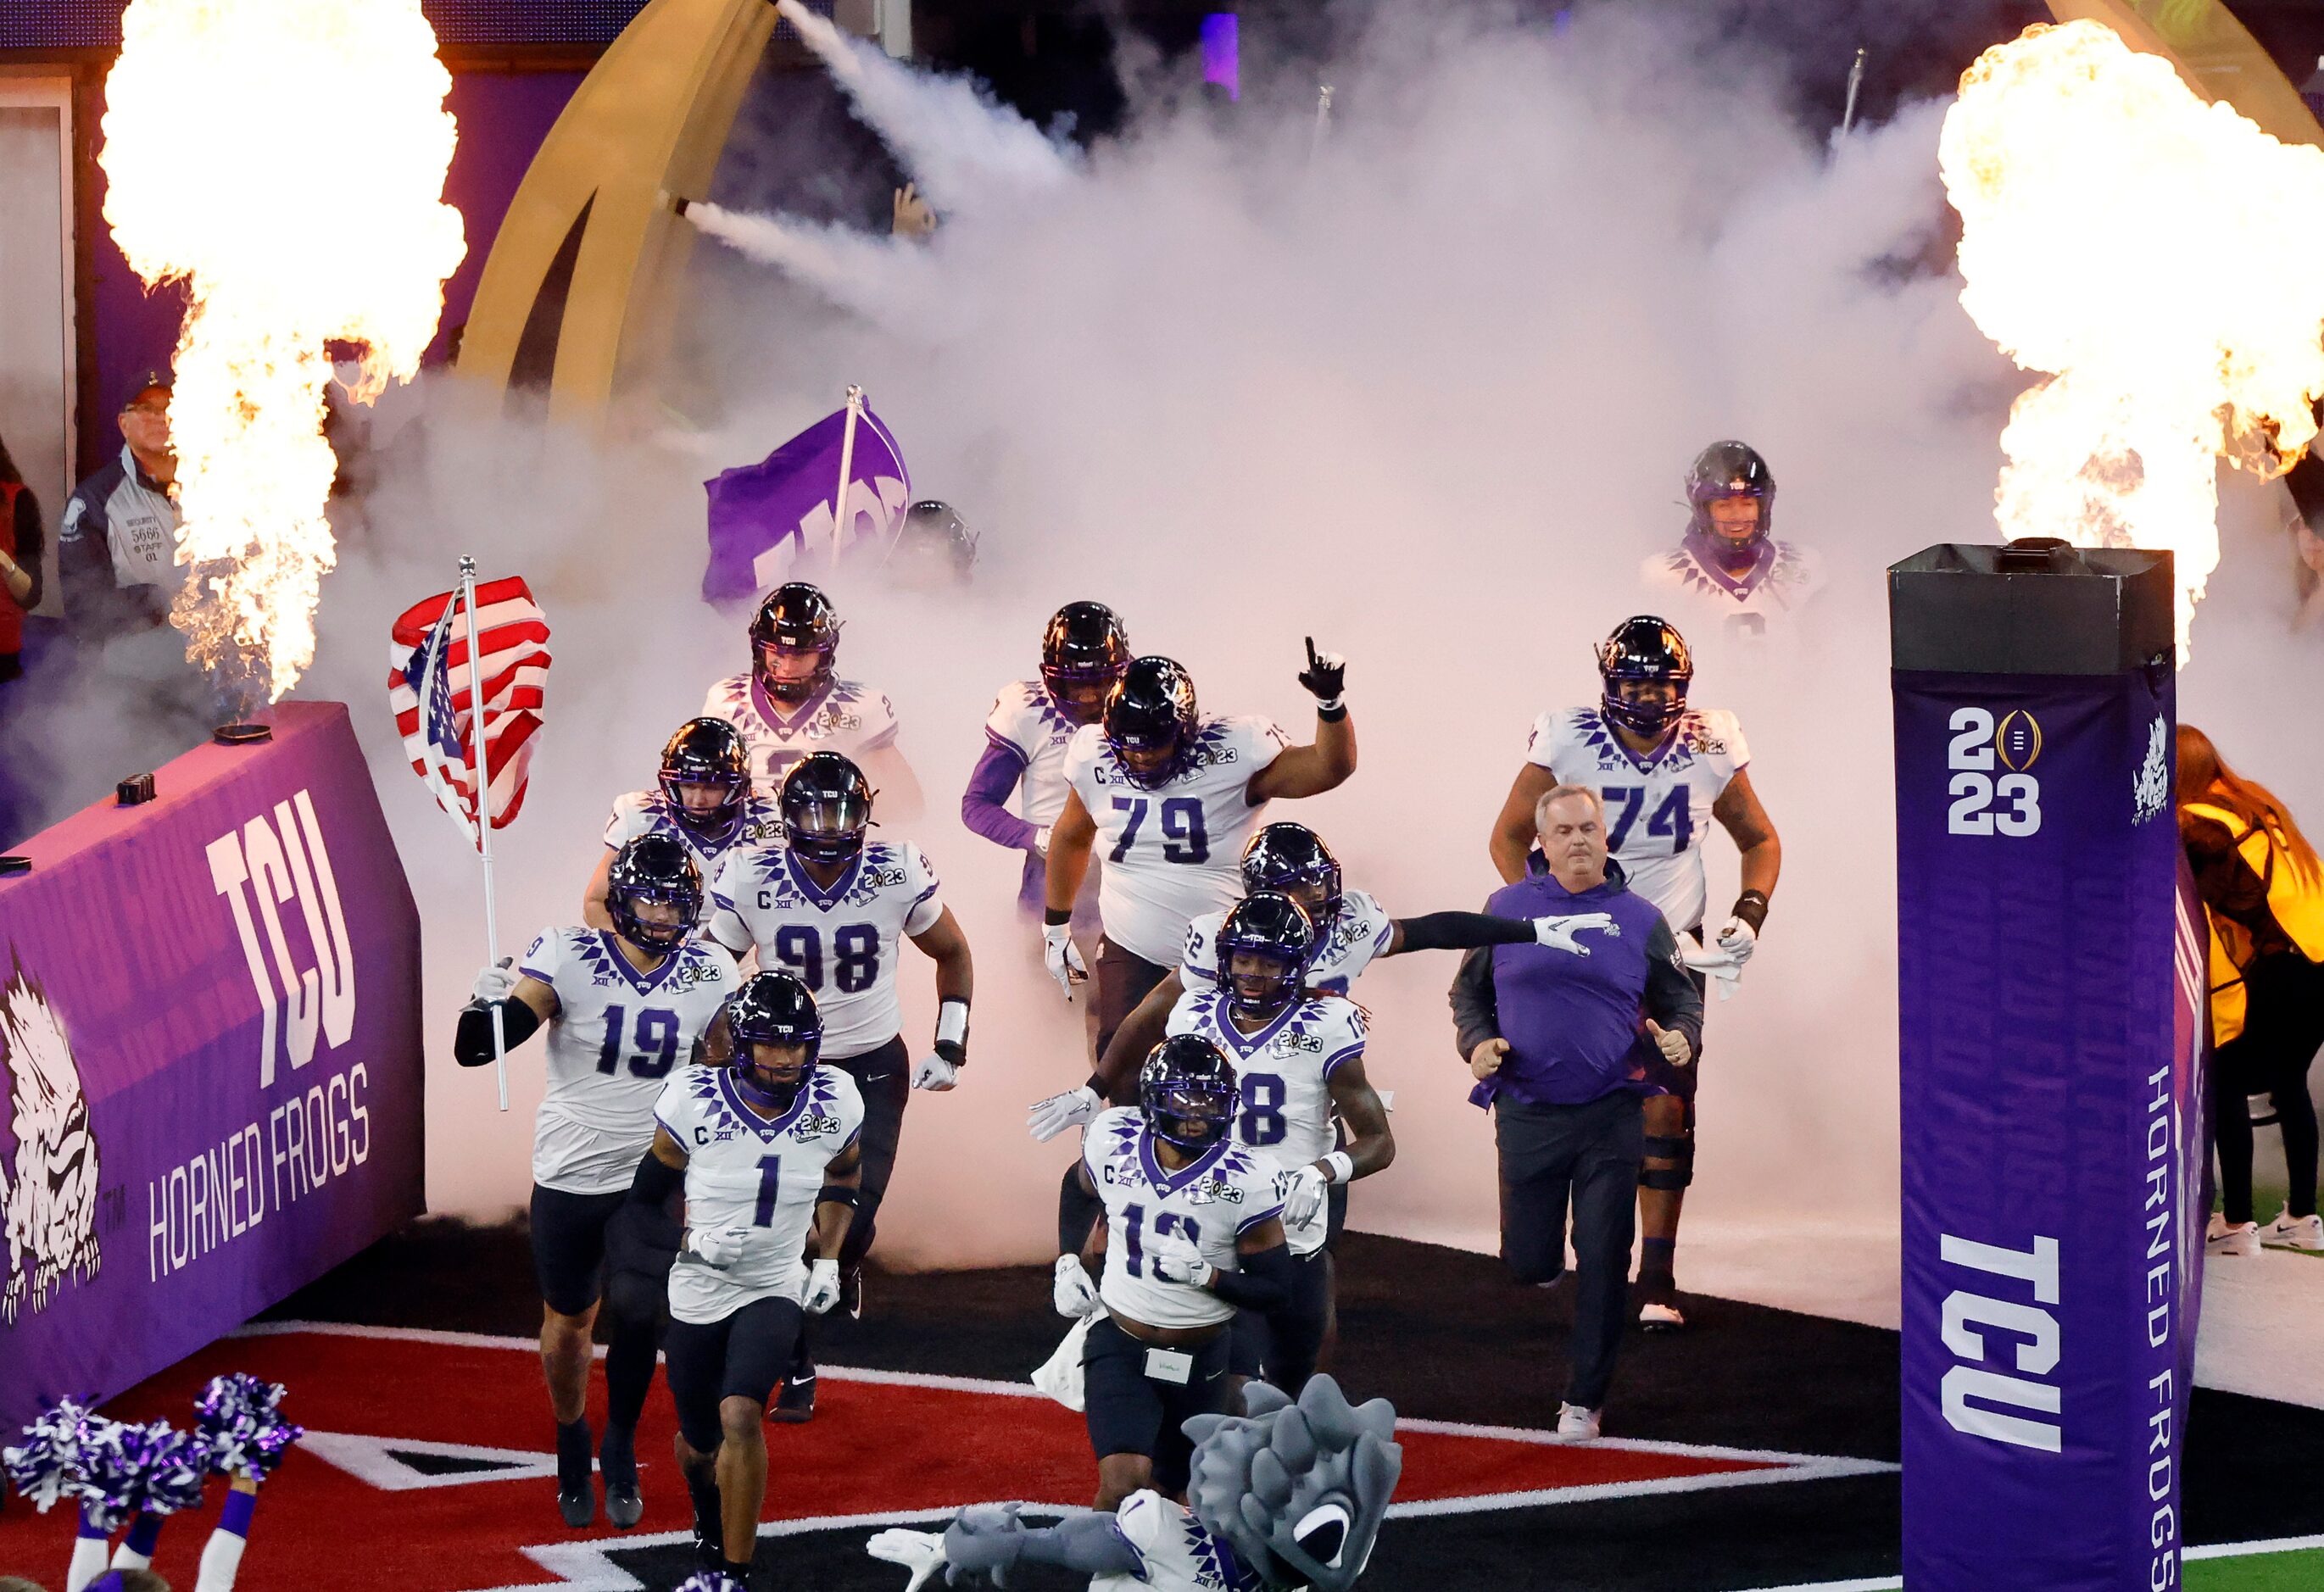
{"type": "Point", "coordinates": [52, 1204]}
{"type": "Point", "coordinates": [274, 861]}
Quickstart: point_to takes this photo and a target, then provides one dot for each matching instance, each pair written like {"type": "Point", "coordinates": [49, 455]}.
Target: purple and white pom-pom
{"type": "Point", "coordinates": [177, 1465]}
{"type": "Point", "coordinates": [45, 1467]}
{"type": "Point", "coordinates": [242, 1427]}
{"type": "Point", "coordinates": [111, 1466]}
{"type": "Point", "coordinates": [712, 1581]}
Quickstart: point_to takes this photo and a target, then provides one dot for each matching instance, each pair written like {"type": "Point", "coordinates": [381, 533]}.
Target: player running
{"type": "Point", "coordinates": [1192, 1232]}
{"type": "Point", "coordinates": [1729, 567]}
{"type": "Point", "coordinates": [835, 910]}
{"type": "Point", "coordinates": [623, 1008]}
{"type": "Point", "coordinates": [764, 1149]}
{"type": "Point", "coordinates": [704, 800]}
{"type": "Point", "coordinates": [1664, 771]}
{"type": "Point", "coordinates": [1084, 651]}
{"type": "Point", "coordinates": [791, 702]}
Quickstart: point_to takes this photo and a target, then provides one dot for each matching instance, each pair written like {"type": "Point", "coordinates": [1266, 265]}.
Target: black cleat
{"type": "Point", "coordinates": [577, 1495]}
{"type": "Point", "coordinates": [617, 1462]}
{"type": "Point", "coordinates": [795, 1405]}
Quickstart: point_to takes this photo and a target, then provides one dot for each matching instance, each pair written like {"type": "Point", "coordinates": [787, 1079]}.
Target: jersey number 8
{"type": "Point", "coordinates": [856, 961]}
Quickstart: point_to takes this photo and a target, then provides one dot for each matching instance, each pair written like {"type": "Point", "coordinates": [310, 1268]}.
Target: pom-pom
{"type": "Point", "coordinates": [45, 1467]}
{"type": "Point", "coordinates": [241, 1425]}
{"type": "Point", "coordinates": [177, 1465]}
{"type": "Point", "coordinates": [712, 1581]}
{"type": "Point", "coordinates": [111, 1463]}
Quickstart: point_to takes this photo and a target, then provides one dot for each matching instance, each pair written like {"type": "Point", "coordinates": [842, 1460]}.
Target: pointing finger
{"type": "Point", "coordinates": [1313, 660]}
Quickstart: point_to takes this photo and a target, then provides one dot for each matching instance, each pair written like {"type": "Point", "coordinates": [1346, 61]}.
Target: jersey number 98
{"type": "Point", "coordinates": [854, 963]}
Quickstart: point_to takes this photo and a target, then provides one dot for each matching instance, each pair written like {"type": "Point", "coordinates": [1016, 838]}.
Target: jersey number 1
{"type": "Point", "coordinates": [656, 1032]}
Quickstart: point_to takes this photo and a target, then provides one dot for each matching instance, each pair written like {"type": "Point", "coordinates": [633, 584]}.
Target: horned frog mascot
{"type": "Point", "coordinates": [1290, 1496]}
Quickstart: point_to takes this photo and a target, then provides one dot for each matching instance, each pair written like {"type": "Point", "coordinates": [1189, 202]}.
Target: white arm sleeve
{"type": "Point", "coordinates": [88, 1562]}
{"type": "Point", "coordinates": [221, 1558]}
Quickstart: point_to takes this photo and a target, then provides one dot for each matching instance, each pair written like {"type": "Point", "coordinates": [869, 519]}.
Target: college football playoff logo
{"type": "Point", "coordinates": [2017, 741]}
{"type": "Point", "coordinates": [51, 1200]}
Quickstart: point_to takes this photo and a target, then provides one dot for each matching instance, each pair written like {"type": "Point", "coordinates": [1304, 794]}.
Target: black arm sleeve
{"type": "Point", "coordinates": [1671, 998]}
{"type": "Point", "coordinates": [1475, 1015]}
{"type": "Point", "coordinates": [1262, 1282]}
{"type": "Point", "coordinates": [655, 1182]}
{"type": "Point", "coordinates": [1462, 931]}
{"type": "Point", "coordinates": [473, 1045]}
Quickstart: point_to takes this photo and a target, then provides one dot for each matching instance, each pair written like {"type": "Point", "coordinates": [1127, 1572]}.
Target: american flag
{"type": "Point", "coordinates": [428, 685]}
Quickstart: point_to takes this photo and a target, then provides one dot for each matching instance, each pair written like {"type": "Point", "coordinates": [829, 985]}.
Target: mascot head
{"type": "Point", "coordinates": [52, 1210]}
{"type": "Point", "coordinates": [1298, 1489]}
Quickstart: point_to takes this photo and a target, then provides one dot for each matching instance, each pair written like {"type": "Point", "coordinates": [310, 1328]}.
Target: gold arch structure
{"type": "Point", "coordinates": [2213, 51]}
{"type": "Point", "coordinates": [575, 295]}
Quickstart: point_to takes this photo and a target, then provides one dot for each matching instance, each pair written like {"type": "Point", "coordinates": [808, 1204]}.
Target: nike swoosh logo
{"type": "Point", "coordinates": [875, 1077]}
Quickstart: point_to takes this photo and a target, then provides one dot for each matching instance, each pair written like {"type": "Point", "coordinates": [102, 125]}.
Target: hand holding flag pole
{"type": "Point", "coordinates": [480, 769]}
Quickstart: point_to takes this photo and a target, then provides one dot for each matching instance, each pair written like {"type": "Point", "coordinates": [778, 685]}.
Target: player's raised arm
{"type": "Point", "coordinates": [593, 898]}
{"type": "Point", "coordinates": [525, 1003]}
{"type": "Point", "coordinates": [1326, 763]}
{"type": "Point", "coordinates": [1512, 831]}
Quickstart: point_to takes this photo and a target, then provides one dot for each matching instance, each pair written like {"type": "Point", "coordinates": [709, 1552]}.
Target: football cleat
{"type": "Point", "coordinates": [1576, 1425]}
{"type": "Point", "coordinates": [577, 1494]}
{"type": "Point", "coordinates": [656, 870]}
{"type": "Point", "coordinates": [1658, 1310]}
{"type": "Point", "coordinates": [617, 1463]}
{"type": "Point", "coordinates": [2288, 1232]}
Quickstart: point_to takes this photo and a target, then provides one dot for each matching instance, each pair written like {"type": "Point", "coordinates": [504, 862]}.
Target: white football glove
{"type": "Point", "coordinates": [1073, 1292]}
{"type": "Point", "coordinates": [1174, 1258]}
{"type": "Point", "coordinates": [920, 1552]}
{"type": "Point", "coordinates": [496, 982]}
{"type": "Point", "coordinates": [1041, 842]}
{"type": "Point", "coordinates": [822, 1287]}
{"type": "Point", "coordinates": [1303, 1195]}
{"type": "Point", "coordinates": [1739, 940]}
{"type": "Point", "coordinates": [1045, 1119]}
{"type": "Point", "coordinates": [716, 1247]}
{"type": "Point", "coordinates": [934, 1073]}
{"type": "Point", "coordinates": [1063, 957]}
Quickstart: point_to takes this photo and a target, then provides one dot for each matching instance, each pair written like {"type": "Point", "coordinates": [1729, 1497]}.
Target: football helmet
{"type": "Point", "coordinates": [1186, 1092]}
{"type": "Point", "coordinates": [796, 619]}
{"type": "Point", "coordinates": [707, 752]}
{"type": "Point", "coordinates": [1644, 648]}
{"type": "Point", "coordinates": [773, 1009]}
{"type": "Point", "coordinates": [827, 806]}
{"type": "Point", "coordinates": [1084, 652]}
{"type": "Point", "coordinates": [1292, 860]}
{"type": "Point", "coordinates": [1274, 931]}
{"type": "Point", "coordinates": [1722, 472]}
{"type": "Point", "coordinates": [653, 868]}
{"type": "Point", "coordinates": [934, 546]}
{"type": "Point", "coordinates": [1149, 721]}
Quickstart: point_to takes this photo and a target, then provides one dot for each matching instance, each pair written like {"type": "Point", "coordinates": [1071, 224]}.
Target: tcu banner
{"type": "Point", "coordinates": [2051, 1084]}
{"type": "Point", "coordinates": [211, 1040]}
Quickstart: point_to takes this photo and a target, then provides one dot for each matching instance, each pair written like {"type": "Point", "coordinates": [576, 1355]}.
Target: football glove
{"type": "Point", "coordinates": [920, 1552]}
{"type": "Point", "coordinates": [1073, 1292]}
{"type": "Point", "coordinates": [1063, 957]}
{"type": "Point", "coordinates": [1041, 842]}
{"type": "Point", "coordinates": [1739, 940]}
{"type": "Point", "coordinates": [1175, 1259]}
{"type": "Point", "coordinates": [1303, 1195]}
{"type": "Point", "coordinates": [1326, 675]}
{"type": "Point", "coordinates": [934, 1073]}
{"type": "Point", "coordinates": [822, 1287]}
{"type": "Point", "coordinates": [1047, 1118]}
{"type": "Point", "coordinates": [496, 982]}
{"type": "Point", "coordinates": [716, 1247]}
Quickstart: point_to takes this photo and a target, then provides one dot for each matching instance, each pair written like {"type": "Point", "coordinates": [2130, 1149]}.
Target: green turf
{"type": "Point", "coordinates": [2302, 1571]}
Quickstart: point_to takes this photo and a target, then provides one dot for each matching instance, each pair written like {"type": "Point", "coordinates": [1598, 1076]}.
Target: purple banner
{"type": "Point", "coordinates": [775, 517]}
{"type": "Point", "coordinates": [2051, 1237]}
{"type": "Point", "coordinates": [210, 1028]}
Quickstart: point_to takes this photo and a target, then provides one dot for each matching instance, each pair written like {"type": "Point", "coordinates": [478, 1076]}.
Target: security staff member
{"type": "Point", "coordinates": [116, 548]}
{"type": "Point", "coordinates": [1557, 1035]}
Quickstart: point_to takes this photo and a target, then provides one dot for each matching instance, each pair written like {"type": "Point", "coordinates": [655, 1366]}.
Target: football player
{"type": "Point", "coordinates": [623, 1008]}
{"type": "Point", "coordinates": [1084, 651]}
{"type": "Point", "coordinates": [765, 1150]}
{"type": "Point", "coordinates": [1665, 772]}
{"type": "Point", "coordinates": [1192, 1232]}
{"type": "Point", "coordinates": [934, 549]}
{"type": "Point", "coordinates": [835, 910]}
{"type": "Point", "coordinates": [704, 800]}
{"type": "Point", "coordinates": [1728, 565]}
{"type": "Point", "coordinates": [791, 701]}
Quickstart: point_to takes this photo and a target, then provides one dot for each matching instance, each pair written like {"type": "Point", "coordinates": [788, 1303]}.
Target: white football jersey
{"type": "Point", "coordinates": [1360, 931]}
{"type": "Point", "coordinates": [649, 811]}
{"type": "Point", "coordinates": [617, 1036]}
{"type": "Point", "coordinates": [844, 942]}
{"type": "Point", "coordinates": [746, 1171]}
{"type": "Point", "coordinates": [1744, 606]}
{"type": "Point", "coordinates": [1175, 1553]}
{"type": "Point", "coordinates": [1175, 852]}
{"type": "Point", "coordinates": [845, 716]}
{"type": "Point", "coordinates": [1657, 806]}
{"type": "Point", "coordinates": [1026, 722]}
{"type": "Point", "coordinates": [1213, 1200]}
{"type": "Point", "coordinates": [1283, 1113]}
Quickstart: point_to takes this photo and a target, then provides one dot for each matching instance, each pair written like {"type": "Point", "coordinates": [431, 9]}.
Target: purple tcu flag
{"type": "Point", "coordinates": [766, 517]}
{"type": "Point", "coordinates": [2051, 1093]}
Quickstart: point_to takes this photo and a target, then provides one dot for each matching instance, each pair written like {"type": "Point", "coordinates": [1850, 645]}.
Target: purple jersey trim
{"type": "Point", "coordinates": [537, 976]}
{"type": "Point", "coordinates": [1265, 1216]}
{"type": "Point", "coordinates": [1353, 1053]}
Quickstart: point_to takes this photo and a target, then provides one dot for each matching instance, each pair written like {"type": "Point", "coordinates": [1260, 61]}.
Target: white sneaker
{"type": "Point", "coordinates": [2240, 1239]}
{"type": "Point", "coordinates": [1661, 1318]}
{"type": "Point", "coordinates": [2288, 1232]}
{"type": "Point", "coordinates": [1576, 1425]}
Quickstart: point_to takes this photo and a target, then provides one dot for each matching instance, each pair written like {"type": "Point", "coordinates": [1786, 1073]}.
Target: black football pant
{"type": "Point", "coordinates": [1584, 1158]}
{"type": "Point", "coordinates": [592, 1247]}
{"type": "Point", "coordinates": [2283, 1024]}
{"type": "Point", "coordinates": [1121, 981]}
{"type": "Point", "coordinates": [883, 1077]}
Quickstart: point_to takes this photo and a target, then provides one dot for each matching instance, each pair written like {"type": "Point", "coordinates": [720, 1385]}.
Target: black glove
{"type": "Point", "coordinates": [1326, 675]}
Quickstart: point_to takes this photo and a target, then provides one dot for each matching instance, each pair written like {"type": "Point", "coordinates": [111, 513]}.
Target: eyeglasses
{"type": "Point", "coordinates": [159, 411]}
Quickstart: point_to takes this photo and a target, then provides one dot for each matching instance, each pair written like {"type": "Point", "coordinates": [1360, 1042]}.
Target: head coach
{"type": "Point", "coordinates": [1561, 1036]}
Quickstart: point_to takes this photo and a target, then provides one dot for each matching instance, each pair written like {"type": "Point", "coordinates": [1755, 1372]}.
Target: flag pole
{"type": "Point", "coordinates": [1322, 122]}
{"type": "Point", "coordinates": [841, 520]}
{"type": "Point", "coordinates": [480, 764]}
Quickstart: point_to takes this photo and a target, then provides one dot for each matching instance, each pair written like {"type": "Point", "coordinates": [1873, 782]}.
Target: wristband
{"type": "Point", "coordinates": [1333, 710]}
{"type": "Point", "coordinates": [838, 1194]}
{"type": "Point", "coordinates": [1056, 918]}
{"type": "Point", "coordinates": [1338, 1167]}
{"type": "Point", "coordinates": [1751, 906]}
{"type": "Point", "coordinates": [952, 1022]}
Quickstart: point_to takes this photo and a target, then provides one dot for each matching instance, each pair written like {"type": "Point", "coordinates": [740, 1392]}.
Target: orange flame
{"type": "Point", "coordinates": [286, 158]}
{"type": "Point", "coordinates": [2161, 261]}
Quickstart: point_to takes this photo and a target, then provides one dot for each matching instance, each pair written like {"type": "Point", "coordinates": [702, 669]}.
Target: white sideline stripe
{"type": "Point", "coordinates": [2252, 1549]}
{"type": "Point", "coordinates": [1639, 1445]}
